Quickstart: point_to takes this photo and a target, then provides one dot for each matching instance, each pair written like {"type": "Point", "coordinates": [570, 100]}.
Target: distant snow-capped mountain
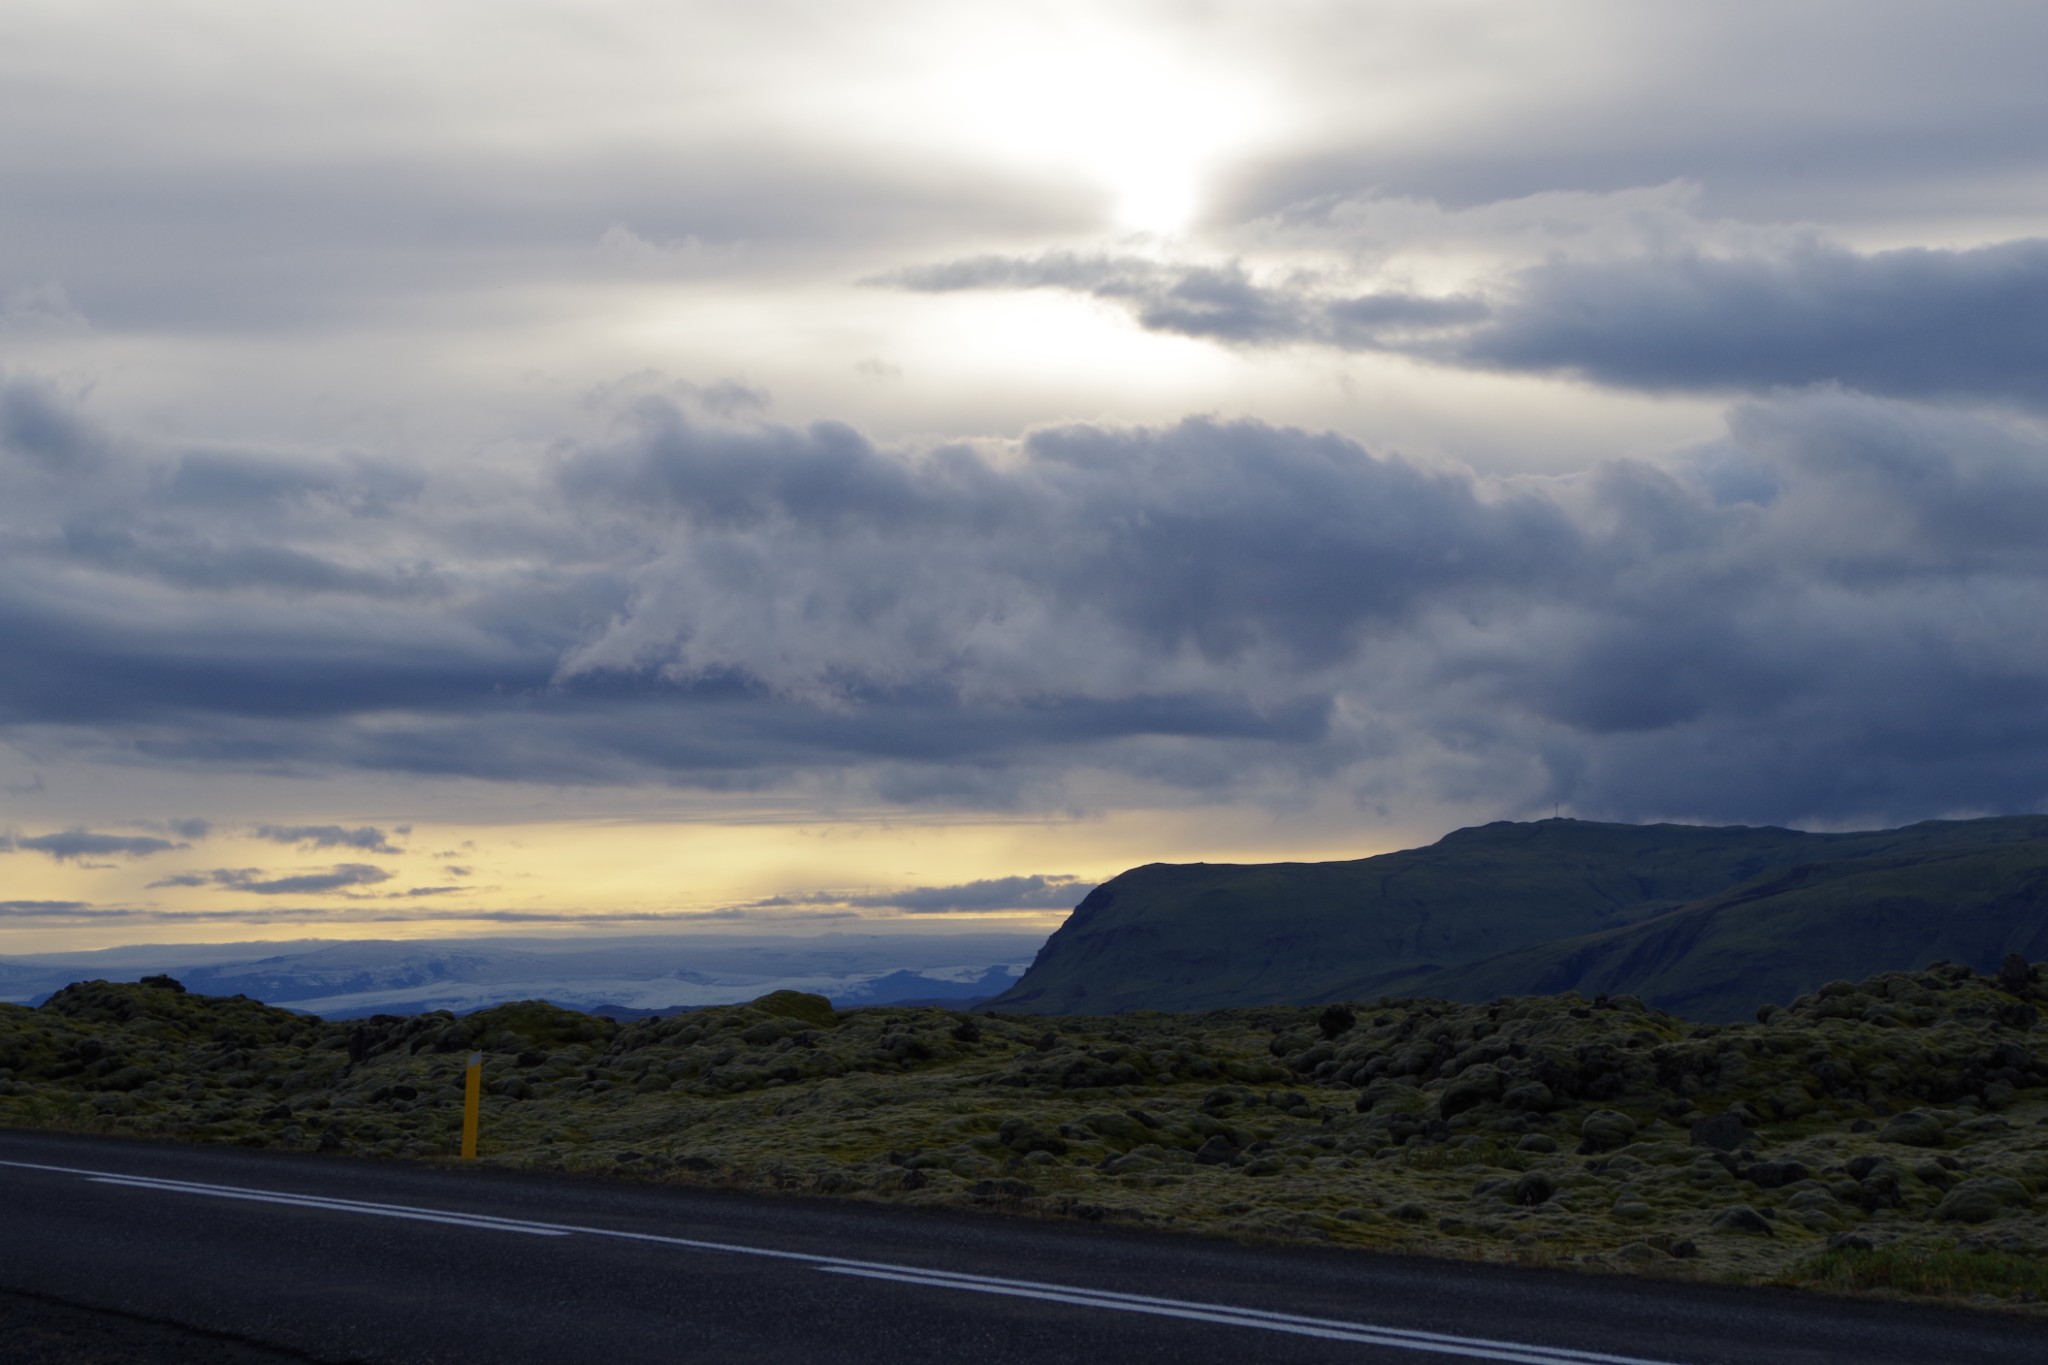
{"type": "Point", "coordinates": [341, 979]}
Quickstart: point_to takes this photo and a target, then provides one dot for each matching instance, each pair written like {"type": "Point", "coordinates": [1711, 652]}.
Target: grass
{"type": "Point", "coordinates": [1943, 1271]}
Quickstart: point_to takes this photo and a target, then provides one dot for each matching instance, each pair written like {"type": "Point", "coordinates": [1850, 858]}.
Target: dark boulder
{"type": "Point", "coordinates": [1022, 1136]}
{"type": "Point", "coordinates": [1605, 1129]}
{"type": "Point", "coordinates": [2016, 977]}
{"type": "Point", "coordinates": [1916, 1128]}
{"type": "Point", "coordinates": [1335, 1020]}
{"type": "Point", "coordinates": [1772, 1175]}
{"type": "Point", "coordinates": [1742, 1218]}
{"type": "Point", "coordinates": [1982, 1198]}
{"type": "Point", "coordinates": [1481, 1085]}
{"type": "Point", "coordinates": [1722, 1132]}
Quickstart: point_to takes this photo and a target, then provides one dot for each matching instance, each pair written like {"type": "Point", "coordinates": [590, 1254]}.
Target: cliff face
{"type": "Point", "coordinates": [1707, 921]}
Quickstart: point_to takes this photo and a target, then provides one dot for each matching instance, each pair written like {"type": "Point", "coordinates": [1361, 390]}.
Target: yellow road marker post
{"type": "Point", "coordinates": [472, 1102]}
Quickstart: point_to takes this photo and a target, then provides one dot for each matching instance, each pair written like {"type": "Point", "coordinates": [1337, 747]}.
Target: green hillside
{"type": "Point", "coordinates": [1788, 933]}
{"type": "Point", "coordinates": [1706, 921]}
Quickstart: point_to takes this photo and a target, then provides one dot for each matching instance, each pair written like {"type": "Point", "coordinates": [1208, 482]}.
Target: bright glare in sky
{"type": "Point", "coordinates": [1131, 119]}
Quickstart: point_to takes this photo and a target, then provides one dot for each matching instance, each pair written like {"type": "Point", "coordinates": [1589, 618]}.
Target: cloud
{"type": "Point", "coordinates": [687, 254]}
{"type": "Point", "coordinates": [1109, 564]}
{"type": "Point", "coordinates": [1212, 302]}
{"type": "Point", "coordinates": [42, 909]}
{"type": "Point", "coordinates": [1036, 891]}
{"type": "Point", "coordinates": [1204, 610]}
{"type": "Point", "coordinates": [1910, 323]}
{"type": "Point", "coordinates": [367, 838]}
{"type": "Point", "coordinates": [338, 878]}
{"type": "Point", "coordinates": [79, 844]}
{"type": "Point", "coordinates": [43, 428]}
{"type": "Point", "coordinates": [1915, 323]}
{"type": "Point", "coordinates": [769, 911]}
{"type": "Point", "coordinates": [43, 309]}
{"type": "Point", "coordinates": [173, 239]}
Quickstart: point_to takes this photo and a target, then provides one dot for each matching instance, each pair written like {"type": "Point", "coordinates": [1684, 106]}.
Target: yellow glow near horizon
{"type": "Point", "coordinates": [577, 872]}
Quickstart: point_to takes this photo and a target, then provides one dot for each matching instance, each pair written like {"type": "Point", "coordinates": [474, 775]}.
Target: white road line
{"type": "Point", "coordinates": [484, 1220]}
{"type": "Point", "coordinates": [452, 1220]}
{"type": "Point", "coordinates": [1436, 1343]}
{"type": "Point", "coordinates": [1271, 1322]}
{"type": "Point", "coordinates": [1109, 1298]}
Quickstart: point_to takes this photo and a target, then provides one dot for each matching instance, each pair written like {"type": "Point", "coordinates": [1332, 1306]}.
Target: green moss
{"type": "Point", "coordinates": [1243, 1123]}
{"type": "Point", "coordinates": [814, 1010]}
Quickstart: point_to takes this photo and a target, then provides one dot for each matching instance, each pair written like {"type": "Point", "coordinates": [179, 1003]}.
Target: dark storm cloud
{"type": "Point", "coordinates": [205, 565]}
{"type": "Point", "coordinates": [76, 844]}
{"type": "Point", "coordinates": [1831, 612]}
{"type": "Point", "coordinates": [229, 520]}
{"type": "Point", "coordinates": [37, 423]}
{"type": "Point", "coordinates": [124, 602]}
{"type": "Point", "coordinates": [367, 838]}
{"type": "Point", "coordinates": [1911, 323]}
{"type": "Point", "coordinates": [1214, 539]}
{"type": "Point", "coordinates": [1430, 618]}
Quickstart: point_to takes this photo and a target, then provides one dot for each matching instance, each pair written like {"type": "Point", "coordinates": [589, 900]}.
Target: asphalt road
{"type": "Point", "coordinates": [254, 1255]}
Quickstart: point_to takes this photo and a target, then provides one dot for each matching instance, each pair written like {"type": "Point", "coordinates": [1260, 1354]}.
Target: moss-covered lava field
{"type": "Point", "coordinates": [1889, 1136]}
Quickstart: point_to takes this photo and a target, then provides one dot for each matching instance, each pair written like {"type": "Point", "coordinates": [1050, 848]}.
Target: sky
{"type": "Point", "coordinates": [591, 468]}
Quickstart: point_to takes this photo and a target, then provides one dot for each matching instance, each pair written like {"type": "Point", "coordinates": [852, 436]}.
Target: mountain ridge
{"type": "Point", "coordinates": [1706, 920]}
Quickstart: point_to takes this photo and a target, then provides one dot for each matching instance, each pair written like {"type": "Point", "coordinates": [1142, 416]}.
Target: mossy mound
{"type": "Point", "coordinates": [814, 1010]}
{"type": "Point", "coordinates": [537, 1024]}
{"type": "Point", "coordinates": [159, 1008]}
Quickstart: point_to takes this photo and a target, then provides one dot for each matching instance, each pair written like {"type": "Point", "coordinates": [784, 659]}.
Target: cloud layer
{"type": "Point", "coordinates": [1830, 613]}
{"type": "Point", "coordinates": [1913, 323]}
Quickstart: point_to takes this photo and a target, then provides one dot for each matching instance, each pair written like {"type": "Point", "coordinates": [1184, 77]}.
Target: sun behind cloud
{"type": "Point", "coordinates": [1144, 123]}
